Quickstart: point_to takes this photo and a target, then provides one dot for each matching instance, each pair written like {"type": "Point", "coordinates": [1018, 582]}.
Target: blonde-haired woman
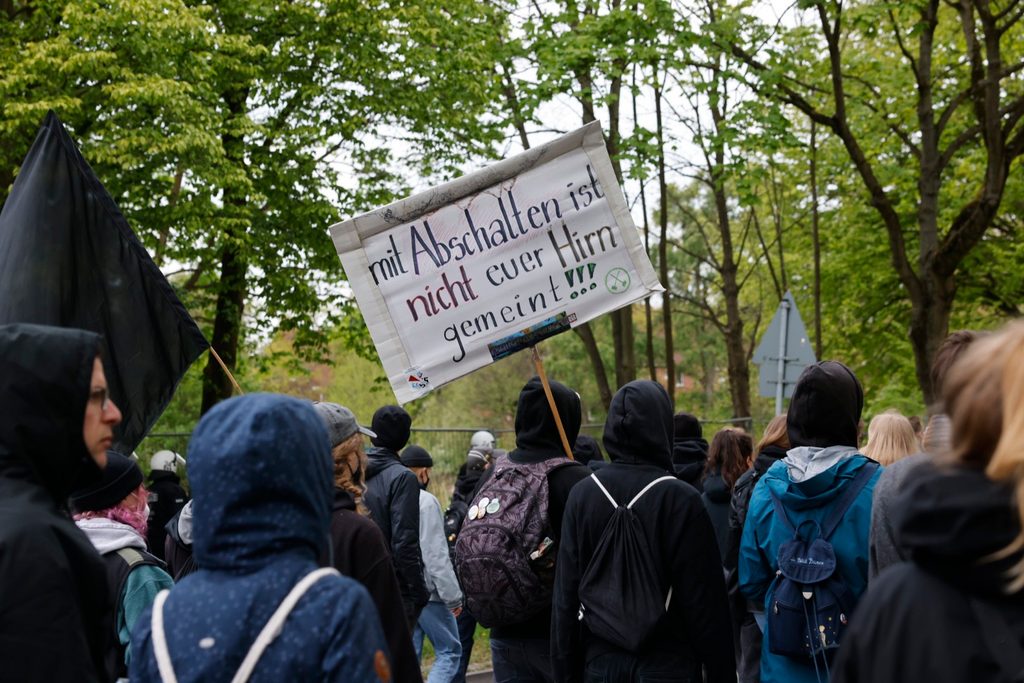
{"type": "Point", "coordinates": [956, 611]}
{"type": "Point", "coordinates": [358, 548]}
{"type": "Point", "coordinates": [890, 438]}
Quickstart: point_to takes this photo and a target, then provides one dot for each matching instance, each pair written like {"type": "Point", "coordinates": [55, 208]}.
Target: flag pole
{"type": "Point", "coordinates": [226, 371]}
{"type": "Point", "coordinates": [551, 401]}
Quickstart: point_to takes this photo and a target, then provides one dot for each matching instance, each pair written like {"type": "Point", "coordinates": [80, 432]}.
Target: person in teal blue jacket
{"type": "Point", "coordinates": [822, 462]}
{"type": "Point", "coordinates": [113, 514]}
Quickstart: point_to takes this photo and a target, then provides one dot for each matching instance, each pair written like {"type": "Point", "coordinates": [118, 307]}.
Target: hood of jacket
{"type": "Point", "coordinates": [952, 520]}
{"type": "Point", "coordinates": [638, 429]}
{"type": "Point", "coordinates": [688, 450]}
{"type": "Point", "coordinates": [807, 462]}
{"type": "Point", "coordinates": [106, 535]}
{"type": "Point", "coordinates": [45, 376]}
{"type": "Point", "coordinates": [536, 430]}
{"type": "Point", "coordinates": [826, 406]}
{"type": "Point", "coordinates": [716, 489]}
{"type": "Point", "coordinates": [767, 457]}
{"type": "Point", "coordinates": [262, 479]}
{"type": "Point", "coordinates": [379, 459]}
{"type": "Point", "coordinates": [815, 491]}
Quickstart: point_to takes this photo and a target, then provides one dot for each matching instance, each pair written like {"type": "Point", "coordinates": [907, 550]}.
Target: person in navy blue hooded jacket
{"type": "Point", "coordinates": [262, 480]}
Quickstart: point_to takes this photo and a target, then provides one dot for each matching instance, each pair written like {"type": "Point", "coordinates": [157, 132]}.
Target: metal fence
{"type": "Point", "coordinates": [447, 446]}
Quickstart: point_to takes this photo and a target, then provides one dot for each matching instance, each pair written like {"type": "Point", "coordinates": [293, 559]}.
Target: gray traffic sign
{"type": "Point", "coordinates": [785, 350]}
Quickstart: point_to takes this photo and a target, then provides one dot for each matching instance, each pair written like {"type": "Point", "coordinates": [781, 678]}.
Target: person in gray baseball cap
{"type": "Point", "coordinates": [341, 422]}
{"type": "Point", "coordinates": [358, 547]}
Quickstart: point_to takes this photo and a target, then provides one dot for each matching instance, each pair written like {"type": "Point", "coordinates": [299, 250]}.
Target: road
{"type": "Point", "coordinates": [480, 677]}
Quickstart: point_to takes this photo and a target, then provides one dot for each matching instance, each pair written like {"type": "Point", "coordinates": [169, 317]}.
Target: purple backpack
{"type": "Point", "coordinates": [504, 554]}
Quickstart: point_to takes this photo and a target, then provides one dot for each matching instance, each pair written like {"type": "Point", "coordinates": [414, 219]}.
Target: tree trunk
{"type": "Point", "coordinates": [929, 326]}
{"type": "Point", "coordinates": [666, 307]}
{"type": "Point", "coordinates": [227, 323]}
{"type": "Point", "coordinates": [586, 335]}
{"type": "Point", "coordinates": [816, 241]}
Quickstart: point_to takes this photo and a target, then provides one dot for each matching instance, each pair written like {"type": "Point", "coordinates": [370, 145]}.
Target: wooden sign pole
{"type": "Point", "coordinates": [551, 401]}
{"type": "Point", "coordinates": [226, 371]}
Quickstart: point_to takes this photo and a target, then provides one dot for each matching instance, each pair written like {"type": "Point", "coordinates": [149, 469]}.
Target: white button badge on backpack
{"type": "Point", "coordinates": [472, 512]}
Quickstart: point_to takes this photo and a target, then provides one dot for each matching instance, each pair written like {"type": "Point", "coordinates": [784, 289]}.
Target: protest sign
{"type": "Point", "coordinates": [454, 278]}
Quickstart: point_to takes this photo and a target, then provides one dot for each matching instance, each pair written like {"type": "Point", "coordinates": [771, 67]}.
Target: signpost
{"type": "Point", "coordinates": [783, 353]}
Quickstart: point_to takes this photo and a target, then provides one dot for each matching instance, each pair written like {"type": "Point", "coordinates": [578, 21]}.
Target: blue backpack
{"type": "Point", "coordinates": [811, 605]}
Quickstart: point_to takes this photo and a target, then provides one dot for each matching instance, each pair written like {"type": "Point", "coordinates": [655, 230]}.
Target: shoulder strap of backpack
{"type": "Point", "coordinates": [780, 511]}
{"type": "Point", "coordinates": [131, 557]}
{"type": "Point", "coordinates": [276, 623]}
{"type": "Point", "coordinates": [604, 490]}
{"type": "Point", "coordinates": [163, 656]}
{"type": "Point", "coordinates": [847, 497]}
{"type": "Point", "coordinates": [270, 631]}
{"type": "Point", "coordinates": [648, 488]}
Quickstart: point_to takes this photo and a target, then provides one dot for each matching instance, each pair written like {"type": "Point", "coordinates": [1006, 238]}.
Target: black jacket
{"type": "Point", "coordinates": [177, 551]}
{"type": "Point", "coordinates": [917, 621]}
{"type": "Point", "coordinates": [55, 618]}
{"type": "Point", "coordinates": [689, 456]}
{"type": "Point", "coordinates": [358, 550]}
{"type": "Point", "coordinates": [393, 498]}
{"type": "Point", "coordinates": [738, 504]}
{"type": "Point", "coordinates": [696, 630]}
{"type": "Point", "coordinates": [537, 440]}
{"type": "Point", "coordinates": [166, 497]}
{"type": "Point", "coordinates": [716, 499]}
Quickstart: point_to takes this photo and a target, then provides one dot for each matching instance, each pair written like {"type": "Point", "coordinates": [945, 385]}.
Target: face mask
{"type": "Point", "coordinates": [146, 511]}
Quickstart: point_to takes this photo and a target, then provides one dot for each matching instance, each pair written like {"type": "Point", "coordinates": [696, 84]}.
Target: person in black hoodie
{"type": "Point", "coordinates": [521, 652]}
{"type": "Point", "coordinates": [728, 460]}
{"type": "Point", "coordinates": [55, 616]}
{"type": "Point", "coordinates": [746, 633]}
{"type": "Point", "coordinates": [393, 498]}
{"type": "Point", "coordinates": [689, 449]}
{"type": "Point", "coordinates": [694, 633]}
{"type": "Point", "coordinates": [955, 612]}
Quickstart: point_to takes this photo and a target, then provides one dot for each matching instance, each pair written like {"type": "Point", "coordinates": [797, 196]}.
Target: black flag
{"type": "Point", "coordinates": [69, 259]}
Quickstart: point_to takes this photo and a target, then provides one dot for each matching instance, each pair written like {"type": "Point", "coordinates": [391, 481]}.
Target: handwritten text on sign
{"type": "Point", "coordinates": [480, 276]}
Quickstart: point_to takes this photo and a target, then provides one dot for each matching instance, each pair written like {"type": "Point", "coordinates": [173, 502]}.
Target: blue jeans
{"type": "Point", "coordinates": [521, 660]}
{"type": "Point", "coordinates": [438, 624]}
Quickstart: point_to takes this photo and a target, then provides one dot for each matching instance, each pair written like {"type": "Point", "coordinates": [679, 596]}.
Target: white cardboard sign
{"type": "Point", "coordinates": [454, 278]}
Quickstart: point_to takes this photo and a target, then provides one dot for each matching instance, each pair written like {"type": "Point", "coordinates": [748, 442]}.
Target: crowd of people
{"type": "Point", "coordinates": [825, 549]}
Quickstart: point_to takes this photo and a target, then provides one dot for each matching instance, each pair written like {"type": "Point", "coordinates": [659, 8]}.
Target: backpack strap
{"type": "Point", "coordinates": [163, 656]}
{"type": "Point", "coordinates": [648, 488]}
{"type": "Point", "coordinates": [846, 499]}
{"type": "Point", "coordinates": [780, 511]}
{"type": "Point", "coordinates": [604, 490]}
{"type": "Point", "coordinates": [636, 497]}
{"type": "Point", "coordinates": [270, 631]}
{"type": "Point", "coordinates": [276, 623]}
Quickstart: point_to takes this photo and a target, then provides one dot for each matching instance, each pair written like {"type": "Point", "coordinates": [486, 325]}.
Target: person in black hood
{"type": "Point", "coordinates": [746, 633]}
{"type": "Point", "coordinates": [728, 459]}
{"type": "Point", "coordinates": [694, 633]}
{"type": "Point", "coordinates": [522, 651]}
{"type": "Point", "coordinates": [55, 618]}
{"type": "Point", "coordinates": [689, 449]}
{"type": "Point", "coordinates": [955, 612]}
{"type": "Point", "coordinates": [393, 498]}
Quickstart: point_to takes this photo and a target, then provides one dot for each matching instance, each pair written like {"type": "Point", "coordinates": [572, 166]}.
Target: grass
{"type": "Point", "coordinates": [480, 660]}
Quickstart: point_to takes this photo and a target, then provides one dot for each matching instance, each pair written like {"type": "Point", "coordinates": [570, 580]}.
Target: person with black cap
{"type": "Point", "coordinates": [689, 450]}
{"type": "Point", "coordinates": [58, 422]}
{"type": "Point", "coordinates": [358, 548]}
{"type": "Point", "coordinates": [393, 498]}
{"type": "Point", "coordinates": [437, 621]}
{"type": "Point", "coordinates": [113, 513]}
{"type": "Point", "coordinates": [822, 476]}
